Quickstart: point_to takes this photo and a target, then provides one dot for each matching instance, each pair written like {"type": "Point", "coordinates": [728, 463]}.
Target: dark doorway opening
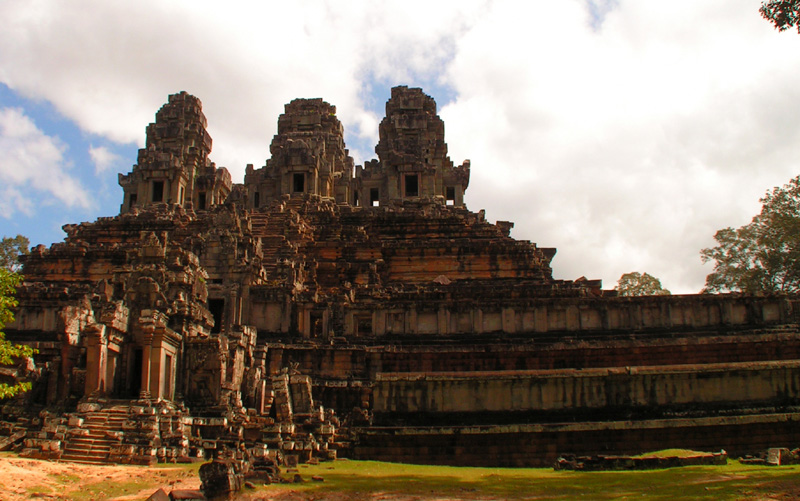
{"type": "Point", "coordinates": [412, 185]}
{"type": "Point", "coordinates": [135, 382]}
{"type": "Point", "coordinates": [299, 183]}
{"type": "Point", "coordinates": [201, 200]}
{"type": "Point", "coordinates": [216, 307]}
{"type": "Point", "coordinates": [158, 191]}
{"type": "Point", "coordinates": [374, 197]}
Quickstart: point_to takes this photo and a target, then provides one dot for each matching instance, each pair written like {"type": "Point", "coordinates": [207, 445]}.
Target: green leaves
{"type": "Point", "coordinates": [640, 284]}
{"type": "Point", "coordinates": [8, 351]}
{"type": "Point", "coordinates": [783, 14]}
{"type": "Point", "coordinates": [10, 250]}
{"type": "Point", "coordinates": [763, 256]}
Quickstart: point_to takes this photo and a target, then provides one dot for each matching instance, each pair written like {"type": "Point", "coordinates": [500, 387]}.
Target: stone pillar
{"type": "Point", "coordinates": [443, 319]}
{"type": "Point", "coordinates": [573, 318]}
{"type": "Point", "coordinates": [379, 322]}
{"type": "Point", "coordinates": [96, 358]}
{"type": "Point", "coordinates": [509, 320]}
{"type": "Point", "coordinates": [112, 362]}
{"type": "Point", "coordinates": [540, 319]}
{"type": "Point", "coordinates": [156, 370]}
{"type": "Point", "coordinates": [304, 322]}
{"type": "Point", "coordinates": [146, 354]}
{"type": "Point", "coordinates": [477, 321]}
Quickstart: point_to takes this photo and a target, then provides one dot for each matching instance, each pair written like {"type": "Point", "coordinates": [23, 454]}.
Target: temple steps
{"type": "Point", "coordinates": [91, 440]}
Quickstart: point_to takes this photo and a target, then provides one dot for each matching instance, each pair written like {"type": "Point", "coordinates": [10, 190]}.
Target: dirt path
{"type": "Point", "coordinates": [24, 479]}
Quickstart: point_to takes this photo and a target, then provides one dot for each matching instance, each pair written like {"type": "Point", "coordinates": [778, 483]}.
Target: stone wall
{"type": "Point", "coordinates": [582, 392]}
{"type": "Point", "coordinates": [539, 445]}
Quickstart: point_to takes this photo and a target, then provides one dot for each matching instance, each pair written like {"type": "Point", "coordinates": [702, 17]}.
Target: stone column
{"type": "Point", "coordinates": [144, 393]}
{"type": "Point", "coordinates": [96, 357]}
{"type": "Point", "coordinates": [156, 370]}
{"type": "Point", "coordinates": [443, 321]}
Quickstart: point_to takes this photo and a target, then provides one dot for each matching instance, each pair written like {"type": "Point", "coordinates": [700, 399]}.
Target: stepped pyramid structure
{"type": "Point", "coordinates": [322, 309]}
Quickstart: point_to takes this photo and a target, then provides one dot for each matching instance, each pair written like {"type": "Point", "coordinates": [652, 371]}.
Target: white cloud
{"type": "Point", "coordinates": [32, 159]}
{"type": "Point", "coordinates": [625, 143]}
{"type": "Point", "coordinates": [109, 65]}
{"type": "Point", "coordinates": [103, 158]}
{"type": "Point", "coordinates": [626, 147]}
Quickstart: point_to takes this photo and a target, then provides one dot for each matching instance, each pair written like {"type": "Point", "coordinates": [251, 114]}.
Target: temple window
{"type": "Point", "coordinates": [450, 195]}
{"type": "Point", "coordinates": [158, 191]}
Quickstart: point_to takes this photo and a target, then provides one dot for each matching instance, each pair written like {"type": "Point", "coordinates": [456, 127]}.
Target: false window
{"type": "Point", "coordinates": [363, 324]}
{"type": "Point", "coordinates": [412, 185]}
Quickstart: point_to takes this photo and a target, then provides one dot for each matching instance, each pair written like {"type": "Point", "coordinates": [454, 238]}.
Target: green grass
{"type": "Point", "coordinates": [733, 481]}
{"type": "Point", "coordinates": [356, 479]}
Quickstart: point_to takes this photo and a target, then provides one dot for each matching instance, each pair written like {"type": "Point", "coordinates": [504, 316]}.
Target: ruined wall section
{"type": "Point", "coordinates": [308, 156]}
{"type": "Point", "coordinates": [173, 167]}
{"type": "Point", "coordinates": [117, 306]}
{"type": "Point", "coordinates": [412, 155]}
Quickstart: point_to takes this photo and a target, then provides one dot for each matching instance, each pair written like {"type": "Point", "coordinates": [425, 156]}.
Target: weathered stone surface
{"type": "Point", "coordinates": [323, 309]}
{"type": "Point", "coordinates": [601, 463]}
{"type": "Point", "coordinates": [159, 495]}
{"type": "Point", "coordinates": [220, 478]}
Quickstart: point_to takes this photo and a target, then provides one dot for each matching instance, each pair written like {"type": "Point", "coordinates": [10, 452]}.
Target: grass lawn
{"type": "Point", "coordinates": [357, 478]}
{"type": "Point", "coordinates": [370, 480]}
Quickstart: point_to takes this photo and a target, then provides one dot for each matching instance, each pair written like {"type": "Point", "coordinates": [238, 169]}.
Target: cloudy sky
{"type": "Point", "coordinates": [623, 133]}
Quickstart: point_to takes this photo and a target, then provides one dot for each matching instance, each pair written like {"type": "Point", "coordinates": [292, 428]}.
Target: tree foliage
{"type": "Point", "coordinates": [640, 284]}
{"type": "Point", "coordinates": [783, 14]}
{"type": "Point", "coordinates": [763, 256]}
{"type": "Point", "coordinates": [10, 251]}
{"type": "Point", "coordinates": [8, 351]}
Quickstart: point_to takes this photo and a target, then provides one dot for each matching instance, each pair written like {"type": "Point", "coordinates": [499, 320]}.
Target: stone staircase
{"type": "Point", "coordinates": [91, 435]}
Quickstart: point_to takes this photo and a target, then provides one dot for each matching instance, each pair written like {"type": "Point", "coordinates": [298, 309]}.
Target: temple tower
{"type": "Point", "coordinates": [173, 167]}
{"type": "Point", "coordinates": [412, 153]}
{"type": "Point", "coordinates": [308, 156]}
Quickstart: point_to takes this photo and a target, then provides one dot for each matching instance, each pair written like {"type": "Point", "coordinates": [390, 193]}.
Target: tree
{"type": "Point", "coordinates": [10, 250]}
{"type": "Point", "coordinates": [763, 256]}
{"type": "Point", "coordinates": [783, 14]}
{"type": "Point", "coordinates": [8, 351]}
{"type": "Point", "coordinates": [640, 284]}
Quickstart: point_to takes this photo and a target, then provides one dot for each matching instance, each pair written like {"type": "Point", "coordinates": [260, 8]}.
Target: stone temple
{"type": "Point", "coordinates": [323, 309]}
